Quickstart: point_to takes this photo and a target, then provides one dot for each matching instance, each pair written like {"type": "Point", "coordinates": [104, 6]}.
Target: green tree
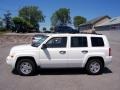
{"type": "Point", "coordinates": [21, 25]}
{"type": "Point", "coordinates": [61, 16]}
{"type": "Point", "coordinates": [2, 28]}
{"type": "Point", "coordinates": [1, 22]}
{"type": "Point", "coordinates": [54, 19]}
{"type": "Point", "coordinates": [7, 19]}
{"type": "Point", "coordinates": [78, 20]}
{"type": "Point", "coordinates": [32, 14]}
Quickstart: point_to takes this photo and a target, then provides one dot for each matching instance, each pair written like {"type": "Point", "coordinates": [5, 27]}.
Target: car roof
{"type": "Point", "coordinates": [66, 34]}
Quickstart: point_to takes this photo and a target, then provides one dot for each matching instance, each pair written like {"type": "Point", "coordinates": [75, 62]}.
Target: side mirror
{"type": "Point", "coordinates": [44, 46]}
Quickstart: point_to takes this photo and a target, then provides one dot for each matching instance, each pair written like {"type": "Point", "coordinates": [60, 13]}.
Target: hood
{"type": "Point", "coordinates": [23, 47]}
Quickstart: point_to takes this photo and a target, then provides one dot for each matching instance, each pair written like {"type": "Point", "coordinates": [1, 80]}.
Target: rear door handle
{"type": "Point", "coordinates": [84, 51]}
{"type": "Point", "coordinates": [62, 52]}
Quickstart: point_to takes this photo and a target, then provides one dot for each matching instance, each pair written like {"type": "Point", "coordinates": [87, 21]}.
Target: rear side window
{"type": "Point", "coordinates": [97, 42]}
{"type": "Point", "coordinates": [79, 42]}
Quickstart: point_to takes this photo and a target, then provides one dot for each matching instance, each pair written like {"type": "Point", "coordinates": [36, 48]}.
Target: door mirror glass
{"type": "Point", "coordinates": [44, 46]}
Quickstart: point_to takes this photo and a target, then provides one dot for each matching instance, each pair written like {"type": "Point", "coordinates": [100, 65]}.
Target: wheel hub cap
{"type": "Point", "coordinates": [94, 67]}
{"type": "Point", "coordinates": [25, 67]}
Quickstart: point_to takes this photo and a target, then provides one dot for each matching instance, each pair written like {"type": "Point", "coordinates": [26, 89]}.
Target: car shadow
{"type": "Point", "coordinates": [64, 71]}
{"type": "Point", "coordinates": [107, 71]}
{"type": "Point", "coordinates": [68, 71]}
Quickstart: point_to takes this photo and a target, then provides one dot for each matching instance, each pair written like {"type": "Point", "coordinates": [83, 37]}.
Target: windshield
{"type": "Point", "coordinates": [38, 41]}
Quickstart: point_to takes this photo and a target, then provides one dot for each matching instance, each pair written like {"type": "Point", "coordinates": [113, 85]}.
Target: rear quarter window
{"type": "Point", "coordinates": [97, 42]}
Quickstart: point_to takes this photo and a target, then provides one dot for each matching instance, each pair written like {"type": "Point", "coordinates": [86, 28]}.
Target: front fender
{"type": "Point", "coordinates": [26, 55]}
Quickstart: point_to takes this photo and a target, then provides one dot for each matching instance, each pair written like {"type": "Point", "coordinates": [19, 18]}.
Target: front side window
{"type": "Point", "coordinates": [79, 42]}
{"type": "Point", "coordinates": [97, 41]}
{"type": "Point", "coordinates": [57, 42]}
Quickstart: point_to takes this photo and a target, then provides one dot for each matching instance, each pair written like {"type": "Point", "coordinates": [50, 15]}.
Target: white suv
{"type": "Point", "coordinates": [89, 51]}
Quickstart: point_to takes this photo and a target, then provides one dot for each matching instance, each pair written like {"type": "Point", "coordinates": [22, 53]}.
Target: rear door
{"type": "Point", "coordinates": [78, 50]}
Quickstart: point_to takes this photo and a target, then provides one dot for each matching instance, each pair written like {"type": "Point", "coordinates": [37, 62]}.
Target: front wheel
{"type": "Point", "coordinates": [94, 67]}
{"type": "Point", "coordinates": [25, 67]}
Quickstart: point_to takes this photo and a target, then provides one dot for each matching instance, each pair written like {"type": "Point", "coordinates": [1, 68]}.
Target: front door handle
{"type": "Point", "coordinates": [84, 51]}
{"type": "Point", "coordinates": [62, 52]}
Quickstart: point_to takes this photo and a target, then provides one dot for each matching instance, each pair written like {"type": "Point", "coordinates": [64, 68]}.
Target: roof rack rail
{"type": "Point", "coordinates": [90, 33]}
{"type": "Point", "coordinates": [81, 33]}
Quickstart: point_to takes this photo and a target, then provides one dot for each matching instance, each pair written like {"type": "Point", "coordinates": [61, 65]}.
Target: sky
{"type": "Point", "coordinates": [87, 8]}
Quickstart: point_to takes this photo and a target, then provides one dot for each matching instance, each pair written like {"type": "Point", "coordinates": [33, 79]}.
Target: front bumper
{"type": "Point", "coordinates": [108, 60]}
{"type": "Point", "coordinates": [10, 61]}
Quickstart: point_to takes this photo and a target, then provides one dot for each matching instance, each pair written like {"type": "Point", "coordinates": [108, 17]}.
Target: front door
{"type": "Point", "coordinates": [56, 53]}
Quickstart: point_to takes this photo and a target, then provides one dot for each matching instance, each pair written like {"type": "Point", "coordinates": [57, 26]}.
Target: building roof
{"type": "Point", "coordinates": [95, 20]}
{"type": "Point", "coordinates": [115, 20]}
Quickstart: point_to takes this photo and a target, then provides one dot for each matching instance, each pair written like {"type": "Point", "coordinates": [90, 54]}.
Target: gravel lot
{"type": "Point", "coordinates": [62, 79]}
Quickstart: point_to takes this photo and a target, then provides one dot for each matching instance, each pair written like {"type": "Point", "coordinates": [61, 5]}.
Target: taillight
{"type": "Point", "coordinates": [109, 51]}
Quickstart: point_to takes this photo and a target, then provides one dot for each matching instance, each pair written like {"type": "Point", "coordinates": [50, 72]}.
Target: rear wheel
{"type": "Point", "coordinates": [94, 67]}
{"type": "Point", "coordinates": [25, 67]}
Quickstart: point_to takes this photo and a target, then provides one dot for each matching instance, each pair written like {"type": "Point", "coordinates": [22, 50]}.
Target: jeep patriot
{"type": "Point", "coordinates": [89, 51]}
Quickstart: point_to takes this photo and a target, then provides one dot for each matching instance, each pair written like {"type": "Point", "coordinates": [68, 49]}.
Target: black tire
{"type": "Point", "coordinates": [91, 69]}
{"type": "Point", "coordinates": [25, 67]}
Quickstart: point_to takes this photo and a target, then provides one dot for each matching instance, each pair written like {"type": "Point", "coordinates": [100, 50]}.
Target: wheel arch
{"type": "Point", "coordinates": [25, 57]}
{"type": "Point", "coordinates": [95, 57]}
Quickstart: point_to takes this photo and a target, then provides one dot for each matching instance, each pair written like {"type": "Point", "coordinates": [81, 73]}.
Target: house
{"type": "Point", "coordinates": [90, 25]}
{"type": "Point", "coordinates": [112, 24]}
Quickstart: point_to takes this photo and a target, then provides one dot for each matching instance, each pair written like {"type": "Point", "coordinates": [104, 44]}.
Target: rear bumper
{"type": "Point", "coordinates": [108, 60]}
